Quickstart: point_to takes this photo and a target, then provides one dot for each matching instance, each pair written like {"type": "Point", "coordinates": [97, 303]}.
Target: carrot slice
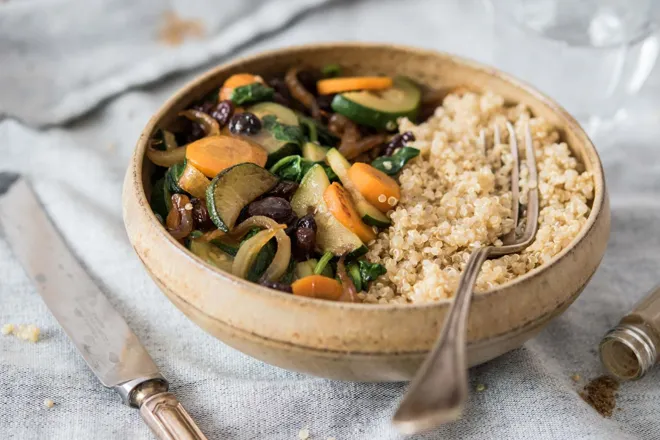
{"type": "Point", "coordinates": [317, 286]}
{"type": "Point", "coordinates": [237, 80]}
{"type": "Point", "coordinates": [341, 207]}
{"type": "Point", "coordinates": [212, 154]}
{"type": "Point", "coordinates": [377, 187]}
{"type": "Point", "coordinates": [346, 84]}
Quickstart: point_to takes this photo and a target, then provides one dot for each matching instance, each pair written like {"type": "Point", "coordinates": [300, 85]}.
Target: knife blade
{"type": "Point", "coordinates": [109, 347]}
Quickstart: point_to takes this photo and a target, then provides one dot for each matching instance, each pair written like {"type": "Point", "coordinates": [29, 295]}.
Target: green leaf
{"type": "Point", "coordinates": [354, 273]}
{"type": "Point", "coordinates": [295, 167]}
{"type": "Point", "coordinates": [289, 168]}
{"type": "Point", "coordinates": [325, 137]}
{"type": "Point", "coordinates": [323, 262]}
{"type": "Point", "coordinates": [262, 261]}
{"type": "Point", "coordinates": [172, 177]}
{"type": "Point", "coordinates": [283, 132]}
{"type": "Point", "coordinates": [287, 278]}
{"type": "Point", "coordinates": [331, 70]}
{"type": "Point", "coordinates": [160, 201]}
{"type": "Point", "coordinates": [391, 165]}
{"type": "Point", "coordinates": [370, 271]}
{"type": "Point", "coordinates": [254, 92]}
{"type": "Point", "coordinates": [312, 132]}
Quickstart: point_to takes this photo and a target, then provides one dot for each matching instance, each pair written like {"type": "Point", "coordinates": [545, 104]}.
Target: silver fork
{"type": "Point", "coordinates": [439, 391]}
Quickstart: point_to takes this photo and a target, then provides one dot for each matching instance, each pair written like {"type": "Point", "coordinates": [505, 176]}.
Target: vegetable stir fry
{"type": "Point", "coordinates": [286, 181]}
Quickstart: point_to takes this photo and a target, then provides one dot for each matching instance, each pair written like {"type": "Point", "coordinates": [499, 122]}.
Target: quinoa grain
{"type": "Point", "coordinates": [455, 198]}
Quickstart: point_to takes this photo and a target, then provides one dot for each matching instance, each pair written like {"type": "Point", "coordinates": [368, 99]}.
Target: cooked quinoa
{"type": "Point", "coordinates": [455, 197]}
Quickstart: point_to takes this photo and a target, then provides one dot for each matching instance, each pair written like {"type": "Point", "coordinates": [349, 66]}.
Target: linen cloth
{"type": "Point", "coordinates": [77, 170]}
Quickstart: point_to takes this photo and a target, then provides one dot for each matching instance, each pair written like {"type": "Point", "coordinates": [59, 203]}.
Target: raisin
{"type": "Point", "coordinates": [200, 215]}
{"type": "Point", "coordinates": [282, 287]}
{"type": "Point", "coordinates": [284, 189]}
{"type": "Point", "coordinates": [223, 112]}
{"type": "Point", "coordinates": [398, 141]}
{"type": "Point", "coordinates": [277, 208]}
{"type": "Point", "coordinates": [305, 240]}
{"type": "Point", "coordinates": [307, 222]}
{"type": "Point", "coordinates": [245, 123]}
{"type": "Point", "coordinates": [204, 107]}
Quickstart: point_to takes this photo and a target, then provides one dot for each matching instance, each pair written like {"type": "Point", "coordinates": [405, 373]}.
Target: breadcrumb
{"type": "Point", "coordinates": [7, 329]}
{"type": "Point", "coordinates": [28, 332]}
{"type": "Point", "coordinates": [49, 403]}
{"type": "Point", "coordinates": [303, 434]}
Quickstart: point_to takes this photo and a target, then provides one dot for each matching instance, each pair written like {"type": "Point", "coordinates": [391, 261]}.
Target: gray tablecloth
{"type": "Point", "coordinates": [60, 58]}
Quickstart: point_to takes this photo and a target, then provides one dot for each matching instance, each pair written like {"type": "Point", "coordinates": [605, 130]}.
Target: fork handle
{"type": "Point", "coordinates": [438, 392]}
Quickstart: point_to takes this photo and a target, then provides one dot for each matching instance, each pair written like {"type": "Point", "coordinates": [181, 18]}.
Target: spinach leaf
{"type": "Point", "coordinates": [160, 201]}
{"type": "Point", "coordinates": [283, 132]}
{"type": "Point", "coordinates": [331, 70]}
{"type": "Point", "coordinates": [295, 167]}
{"type": "Point", "coordinates": [324, 137]}
{"type": "Point", "coordinates": [391, 165]}
{"type": "Point", "coordinates": [172, 177]}
{"type": "Point", "coordinates": [254, 92]}
{"type": "Point", "coordinates": [289, 168]}
{"type": "Point", "coordinates": [312, 132]}
{"type": "Point", "coordinates": [354, 273]}
{"type": "Point", "coordinates": [262, 261]}
{"type": "Point", "coordinates": [287, 278]}
{"type": "Point", "coordinates": [370, 271]}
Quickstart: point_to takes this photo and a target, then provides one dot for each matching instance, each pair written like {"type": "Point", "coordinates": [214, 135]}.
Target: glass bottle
{"type": "Point", "coordinates": [631, 348]}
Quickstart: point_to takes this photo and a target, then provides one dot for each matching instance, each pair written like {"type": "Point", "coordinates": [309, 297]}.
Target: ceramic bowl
{"type": "Point", "coordinates": [362, 342]}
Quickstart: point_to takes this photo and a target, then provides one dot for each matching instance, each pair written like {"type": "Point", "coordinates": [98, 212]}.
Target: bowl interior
{"type": "Point", "coordinates": [434, 71]}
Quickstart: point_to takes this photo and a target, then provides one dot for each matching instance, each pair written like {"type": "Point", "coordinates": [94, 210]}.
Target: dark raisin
{"type": "Point", "coordinates": [205, 107]}
{"type": "Point", "coordinates": [277, 208]}
{"type": "Point", "coordinates": [245, 123]}
{"type": "Point", "coordinates": [324, 102]}
{"type": "Point", "coordinates": [200, 215]}
{"type": "Point", "coordinates": [308, 79]}
{"type": "Point", "coordinates": [307, 221]}
{"type": "Point", "coordinates": [284, 189]}
{"type": "Point", "coordinates": [305, 240]}
{"type": "Point", "coordinates": [282, 287]}
{"type": "Point", "coordinates": [222, 112]}
{"type": "Point", "coordinates": [398, 141]}
{"type": "Point", "coordinates": [282, 95]}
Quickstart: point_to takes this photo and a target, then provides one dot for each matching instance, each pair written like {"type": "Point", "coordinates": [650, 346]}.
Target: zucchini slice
{"type": "Point", "coordinates": [272, 137]}
{"type": "Point", "coordinates": [210, 254]}
{"type": "Point", "coordinates": [233, 189]}
{"type": "Point", "coordinates": [369, 213]}
{"type": "Point", "coordinates": [331, 236]}
{"type": "Point", "coordinates": [381, 109]}
{"type": "Point", "coordinates": [314, 152]}
{"type": "Point", "coordinates": [193, 181]}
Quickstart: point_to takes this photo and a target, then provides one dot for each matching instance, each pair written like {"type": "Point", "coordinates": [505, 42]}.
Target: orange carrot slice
{"type": "Point", "coordinates": [377, 187]}
{"type": "Point", "coordinates": [317, 286]}
{"type": "Point", "coordinates": [212, 154]}
{"type": "Point", "coordinates": [237, 80]}
{"type": "Point", "coordinates": [341, 207]}
{"type": "Point", "coordinates": [346, 84]}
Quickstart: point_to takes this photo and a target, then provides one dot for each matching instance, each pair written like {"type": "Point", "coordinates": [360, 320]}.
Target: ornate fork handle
{"type": "Point", "coordinates": [441, 381]}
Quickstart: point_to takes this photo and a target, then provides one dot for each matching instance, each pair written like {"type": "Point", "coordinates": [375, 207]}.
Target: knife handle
{"type": "Point", "coordinates": [168, 419]}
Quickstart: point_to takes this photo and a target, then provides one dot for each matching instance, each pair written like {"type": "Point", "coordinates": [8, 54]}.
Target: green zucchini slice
{"type": "Point", "coordinates": [233, 189]}
{"type": "Point", "coordinates": [380, 109]}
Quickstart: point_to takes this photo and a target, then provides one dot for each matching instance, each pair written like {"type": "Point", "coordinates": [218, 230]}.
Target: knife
{"type": "Point", "coordinates": [107, 344]}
